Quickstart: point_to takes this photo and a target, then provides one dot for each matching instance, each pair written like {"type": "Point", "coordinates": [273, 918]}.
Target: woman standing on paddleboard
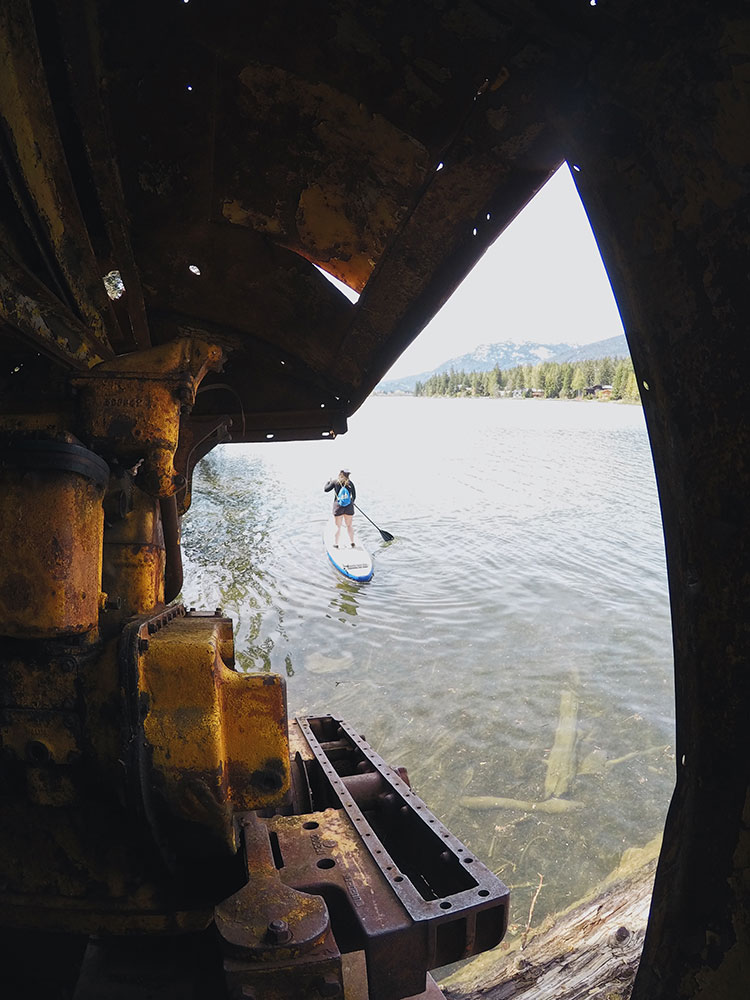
{"type": "Point", "coordinates": [343, 505]}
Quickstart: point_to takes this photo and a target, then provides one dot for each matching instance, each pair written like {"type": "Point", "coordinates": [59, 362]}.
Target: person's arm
{"type": "Point", "coordinates": [354, 491]}
{"type": "Point", "coordinates": [329, 485]}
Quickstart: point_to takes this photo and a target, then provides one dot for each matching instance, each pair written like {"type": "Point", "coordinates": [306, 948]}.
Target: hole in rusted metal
{"type": "Point", "coordinates": [326, 863]}
{"type": "Point", "coordinates": [114, 284]}
{"type": "Point", "coordinates": [310, 825]}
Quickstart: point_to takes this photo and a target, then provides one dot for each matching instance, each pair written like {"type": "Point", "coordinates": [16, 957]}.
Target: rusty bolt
{"type": "Point", "coordinates": [278, 932]}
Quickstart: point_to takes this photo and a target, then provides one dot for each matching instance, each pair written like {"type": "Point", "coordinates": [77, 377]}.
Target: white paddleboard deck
{"type": "Point", "coordinates": [354, 563]}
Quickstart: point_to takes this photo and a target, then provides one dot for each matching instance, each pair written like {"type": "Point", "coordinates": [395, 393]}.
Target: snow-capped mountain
{"type": "Point", "coordinates": [509, 355]}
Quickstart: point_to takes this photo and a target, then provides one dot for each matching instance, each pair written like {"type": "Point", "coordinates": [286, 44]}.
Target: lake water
{"type": "Point", "coordinates": [527, 567]}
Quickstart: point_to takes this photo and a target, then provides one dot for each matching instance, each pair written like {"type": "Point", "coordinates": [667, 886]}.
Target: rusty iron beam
{"type": "Point", "coordinates": [109, 227]}
{"type": "Point", "coordinates": [30, 307]}
{"type": "Point", "coordinates": [39, 174]}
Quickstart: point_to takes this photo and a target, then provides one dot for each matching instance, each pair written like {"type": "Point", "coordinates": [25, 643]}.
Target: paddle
{"type": "Point", "coordinates": [386, 535]}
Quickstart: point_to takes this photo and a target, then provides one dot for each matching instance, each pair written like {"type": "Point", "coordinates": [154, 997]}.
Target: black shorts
{"type": "Point", "coordinates": [349, 509]}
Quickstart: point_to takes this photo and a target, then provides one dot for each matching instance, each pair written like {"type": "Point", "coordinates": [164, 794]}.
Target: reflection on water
{"type": "Point", "coordinates": [513, 647]}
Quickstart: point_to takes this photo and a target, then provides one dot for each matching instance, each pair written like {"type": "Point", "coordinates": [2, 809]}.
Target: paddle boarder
{"type": "Point", "coordinates": [343, 504]}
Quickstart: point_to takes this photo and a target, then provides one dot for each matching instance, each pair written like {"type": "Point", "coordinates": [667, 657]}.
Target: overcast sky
{"type": "Point", "coordinates": [542, 280]}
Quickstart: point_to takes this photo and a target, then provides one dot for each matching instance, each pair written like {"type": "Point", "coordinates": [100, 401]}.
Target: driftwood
{"type": "Point", "coordinates": [589, 952]}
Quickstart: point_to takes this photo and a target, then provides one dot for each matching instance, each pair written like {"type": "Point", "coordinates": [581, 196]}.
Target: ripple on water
{"type": "Point", "coordinates": [528, 559]}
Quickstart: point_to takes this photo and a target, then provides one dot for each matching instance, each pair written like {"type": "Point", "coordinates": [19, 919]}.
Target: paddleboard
{"type": "Point", "coordinates": [354, 563]}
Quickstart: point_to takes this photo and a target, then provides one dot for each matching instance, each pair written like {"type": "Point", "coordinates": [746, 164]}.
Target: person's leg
{"type": "Point", "coordinates": [350, 526]}
{"type": "Point", "coordinates": [338, 519]}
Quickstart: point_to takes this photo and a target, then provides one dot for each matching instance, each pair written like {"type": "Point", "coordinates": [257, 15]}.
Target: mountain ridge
{"type": "Point", "coordinates": [510, 354]}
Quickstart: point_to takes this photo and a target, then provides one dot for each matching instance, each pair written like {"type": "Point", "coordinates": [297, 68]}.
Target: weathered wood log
{"type": "Point", "coordinates": [589, 952]}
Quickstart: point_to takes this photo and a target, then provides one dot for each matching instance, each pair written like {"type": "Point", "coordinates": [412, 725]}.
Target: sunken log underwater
{"type": "Point", "coordinates": [171, 177]}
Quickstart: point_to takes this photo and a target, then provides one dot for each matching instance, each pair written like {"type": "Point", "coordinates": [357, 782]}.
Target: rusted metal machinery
{"type": "Point", "coordinates": [159, 813]}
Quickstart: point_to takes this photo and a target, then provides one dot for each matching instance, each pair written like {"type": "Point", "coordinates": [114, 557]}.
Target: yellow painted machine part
{"type": "Point", "coordinates": [51, 525]}
{"type": "Point", "coordinates": [218, 738]}
{"type": "Point", "coordinates": [134, 558]}
{"type": "Point", "coordinates": [131, 407]}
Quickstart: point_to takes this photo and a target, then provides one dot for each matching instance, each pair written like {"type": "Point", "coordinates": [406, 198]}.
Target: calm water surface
{"type": "Point", "coordinates": [528, 562]}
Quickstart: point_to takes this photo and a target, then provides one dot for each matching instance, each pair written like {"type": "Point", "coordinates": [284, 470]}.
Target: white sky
{"type": "Point", "coordinates": [542, 280]}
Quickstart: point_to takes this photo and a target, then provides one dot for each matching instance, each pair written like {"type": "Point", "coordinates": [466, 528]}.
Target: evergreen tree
{"type": "Point", "coordinates": [566, 379]}
{"type": "Point", "coordinates": [578, 382]}
{"type": "Point", "coordinates": [606, 371]}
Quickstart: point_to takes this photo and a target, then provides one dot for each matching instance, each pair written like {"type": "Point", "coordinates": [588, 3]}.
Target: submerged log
{"type": "Point", "coordinates": [485, 802]}
{"type": "Point", "coordinates": [589, 952]}
{"type": "Point", "coordinates": [561, 763]}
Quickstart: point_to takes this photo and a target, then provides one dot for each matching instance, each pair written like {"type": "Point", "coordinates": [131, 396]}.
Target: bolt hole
{"type": "Point", "coordinates": [445, 905]}
{"type": "Point", "coordinates": [311, 825]}
{"type": "Point", "coordinates": [483, 892]}
{"type": "Point", "coordinates": [326, 863]}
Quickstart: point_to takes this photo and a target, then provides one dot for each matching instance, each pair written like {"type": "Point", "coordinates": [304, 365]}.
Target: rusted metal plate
{"type": "Point", "coordinates": [324, 853]}
{"type": "Point", "coordinates": [433, 874]}
{"type": "Point", "coordinates": [209, 164]}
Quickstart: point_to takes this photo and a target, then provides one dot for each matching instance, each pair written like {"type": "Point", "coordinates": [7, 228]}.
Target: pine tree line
{"type": "Point", "coordinates": [612, 378]}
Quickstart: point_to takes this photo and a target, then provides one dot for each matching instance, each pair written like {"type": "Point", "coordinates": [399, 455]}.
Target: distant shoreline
{"type": "Point", "coordinates": [566, 399]}
{"type": "Point", "coordinates": [557, 399]}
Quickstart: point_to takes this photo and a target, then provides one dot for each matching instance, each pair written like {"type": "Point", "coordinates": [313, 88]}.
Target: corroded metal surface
{"type": "Point", "coordinates": [131, 407]}
{"type": "Point", "coordinates": [203, 159]}
{"type": "Point", "coordinates": [217, 740]}
{"type": "Point", "coordinates": [51, 529]}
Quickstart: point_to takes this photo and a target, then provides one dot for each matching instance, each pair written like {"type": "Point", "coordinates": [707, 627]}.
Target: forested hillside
{"type": "Point", "coordinates": [553, 380]}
